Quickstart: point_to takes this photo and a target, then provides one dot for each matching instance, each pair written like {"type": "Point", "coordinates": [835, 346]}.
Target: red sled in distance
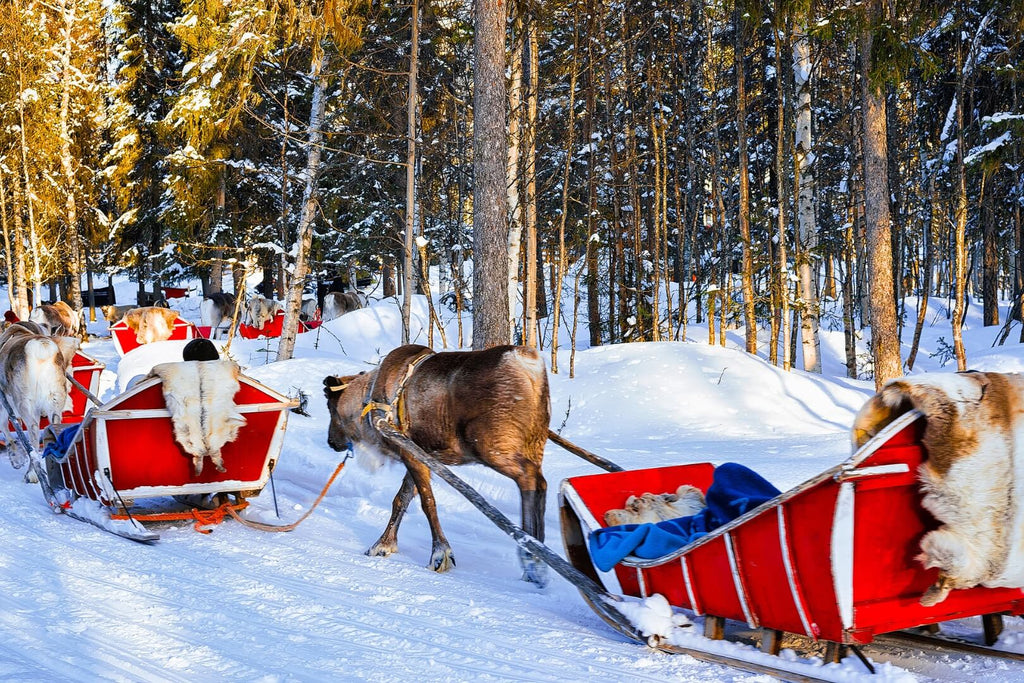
{"type": "Point", "coordinates": [125, 341]}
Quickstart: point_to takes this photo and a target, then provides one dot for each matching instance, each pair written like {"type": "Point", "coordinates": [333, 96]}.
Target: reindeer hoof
{"type": "Point", "coordinates": [534, 570]}
{"type": "Point", "coordinates": [441, 560]}
{"type": "Point", "coordinates": [381, 549]}
{"type": "Point", "coordinates": [221, 468]}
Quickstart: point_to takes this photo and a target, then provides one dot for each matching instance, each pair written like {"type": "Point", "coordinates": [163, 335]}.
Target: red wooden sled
{"type": "Point", "coordinates": [125, 450]}
{"type": "Point", "coordinates": [274, 327]}
{"type": "Point", "coordinates": [86, 370]}
{"type": "Point", "coordinates": [832, 559]}
{"type": "Point", "coordinates": [125, 341]}
{"type": "Point", "coordinates": [174, 292]}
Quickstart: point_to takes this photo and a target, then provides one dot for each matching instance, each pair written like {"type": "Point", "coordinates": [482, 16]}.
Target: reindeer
{"type": "Point", "coordinates": [489, 407]}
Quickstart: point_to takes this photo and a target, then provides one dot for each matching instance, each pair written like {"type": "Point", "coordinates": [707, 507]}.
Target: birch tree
{"type": "Point", "coordinates": [807, 233]}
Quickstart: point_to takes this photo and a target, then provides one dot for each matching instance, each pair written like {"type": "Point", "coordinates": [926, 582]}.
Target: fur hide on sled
{"type": "Point", "coordinates": [201, 398]}
{"type": "Point", "coordinates": [973, 479]}
{"type": "Point", "coordinates": [151, 323]}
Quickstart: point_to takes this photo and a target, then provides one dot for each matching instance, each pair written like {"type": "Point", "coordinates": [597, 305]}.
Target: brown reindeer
{"type": "Point", "coordinates": [489, 407]}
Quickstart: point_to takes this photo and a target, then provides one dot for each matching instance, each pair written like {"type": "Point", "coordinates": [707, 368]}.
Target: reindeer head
{"type": "Point", "coordinates": [344, 403]}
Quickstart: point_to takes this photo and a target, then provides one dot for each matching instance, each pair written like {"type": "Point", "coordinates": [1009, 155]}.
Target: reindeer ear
{"type": "Point", "coordinates": [334, 386]}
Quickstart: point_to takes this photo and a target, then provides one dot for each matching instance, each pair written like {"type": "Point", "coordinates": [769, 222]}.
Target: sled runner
{"type": "Point", "coordinates": [125, 451]}
{"type": "Point", "coordinates": [125, 339]}
{"type": "Point", "coordinates": [832, 559]}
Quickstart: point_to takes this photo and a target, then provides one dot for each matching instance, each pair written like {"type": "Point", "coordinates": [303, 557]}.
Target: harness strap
{"type": "Point", "coordinates": [395, 410]}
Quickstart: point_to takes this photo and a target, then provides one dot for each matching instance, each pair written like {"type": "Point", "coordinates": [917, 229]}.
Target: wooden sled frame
{"type": "Point", "coordinates": [832, 558]}
{"type": "Point", "coordinates": [125, 451]}
{"type": "Point", "coordinates": [124, 336]}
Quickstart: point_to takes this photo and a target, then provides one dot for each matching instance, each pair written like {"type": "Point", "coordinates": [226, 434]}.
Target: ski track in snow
{"type": "Point", "coordinates": [239, 604]}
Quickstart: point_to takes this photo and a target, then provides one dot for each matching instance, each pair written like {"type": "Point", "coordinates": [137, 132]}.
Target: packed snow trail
{"type": "Point", "coordinates": [82, 605]}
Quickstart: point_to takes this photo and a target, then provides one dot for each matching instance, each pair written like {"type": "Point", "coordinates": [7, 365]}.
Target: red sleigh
{"type": "Point", "coordinates": [832, 559]}
{"type": "Point", "coordinates": [125, 340]}
{"type": "Point", "coordinates": [273, 327]}
{"type": "Point", "coordinates": [125, 451]}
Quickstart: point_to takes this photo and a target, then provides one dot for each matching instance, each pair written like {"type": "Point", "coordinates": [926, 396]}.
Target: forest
{"type": "Point", "coordinates": [778, 167]}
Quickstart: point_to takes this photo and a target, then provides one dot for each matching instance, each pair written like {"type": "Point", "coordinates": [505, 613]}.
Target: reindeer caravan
{"type": "Point", "coordinates": [921, 525]}
{"type": "Point", "coordinates": [194, 430]}
{"type": "Point", "coordinates": [191, 430]}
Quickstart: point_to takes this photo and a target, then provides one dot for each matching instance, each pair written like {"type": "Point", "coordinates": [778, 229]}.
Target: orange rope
{"type": "Point", "coordinates": [208, 518]}
{"type": "Point", "coordinates": [288, 527]}
{"type": "Point", "coordinates": [202, 518]}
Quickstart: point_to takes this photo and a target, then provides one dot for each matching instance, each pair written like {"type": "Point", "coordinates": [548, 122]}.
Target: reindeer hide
{"type": "Point", "coordinates": [200, 396]}
{"type": "Point", "coordinates": [973, 477]}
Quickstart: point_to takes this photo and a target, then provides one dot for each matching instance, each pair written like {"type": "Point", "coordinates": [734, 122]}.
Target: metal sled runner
{"type": "Point", "coordinates": [125, 451]}
{"type": "Point", "coordinates": [832, 559]}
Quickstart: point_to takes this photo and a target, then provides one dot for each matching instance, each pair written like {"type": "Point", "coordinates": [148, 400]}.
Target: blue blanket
{"type": "Point", "coordinates": [734, 490]}
{"type": "Point", "coordinates": [57, 449]}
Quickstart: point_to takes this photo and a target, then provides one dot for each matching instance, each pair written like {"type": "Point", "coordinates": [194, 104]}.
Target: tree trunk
{"type": "Point", "coordinates": [781, 328]}
{"type": "Point", "coordinates": [960, 233]}
{"type": "Point", "coordinates": [990, 260]}
{"type": "Point", "coordinates": [927, 232]}
{"type": "Point", "coordinates": [410, 172]}
{"type": "Point", "coordinates": [8, 254]}
{"type": "Point", "coordinates": [556, 304]}
{"type": "Point", "coordinates": [21, 304]}
{"type": "Point", "coordinates": [885, 342]}
{"type": "Point", "coordinates": [490, 220]}
{"type": "Point", "coordinates": [304, 237]}
{"type": "Point", "coordinates": [530, 60]}
{"type": "Point", "coordinates": [74, 266]}
{"type": "Point", "coordinates": [807, 232]}
{"type": "Point", "coordinates": [515, 137]}
{"type": "Point", "coordinates": [33, 238]}
{"type": "Point", "coordinates": [747, 275]}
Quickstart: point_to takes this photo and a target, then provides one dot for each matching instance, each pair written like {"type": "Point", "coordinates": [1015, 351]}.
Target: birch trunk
{"type": "Point", "coordinates": [515, 227]}
{"type": "Point", "coordinates": [304, 237]}
{"type": "Point", "coordinates": [807, 234]}
{"type": "Point", "coordinates": [530, 59]}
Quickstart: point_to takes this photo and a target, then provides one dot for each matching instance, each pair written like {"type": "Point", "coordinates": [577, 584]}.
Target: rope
{"type": "Point", "coordinates": [262, 526]}
{"type": "Point", "coordinates": [210, 518]}
{"type": "Point", "coordinates": [201, 518]}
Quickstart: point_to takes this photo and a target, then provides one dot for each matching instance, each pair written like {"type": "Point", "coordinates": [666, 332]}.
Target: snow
{"type": "Point", "coordinates": [308, 605]}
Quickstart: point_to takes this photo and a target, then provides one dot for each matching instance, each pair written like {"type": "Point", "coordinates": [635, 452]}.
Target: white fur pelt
{"type": "Point", "coordinates": [658, 507]}
{"type": "Point", "coordinates": [34, 382]}
{"type": "Point", "coordinates": [200, 396]}
{"type": "Point", "coordinates": [973, 479]}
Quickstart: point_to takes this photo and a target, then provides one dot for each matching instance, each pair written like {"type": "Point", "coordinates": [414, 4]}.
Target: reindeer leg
{"type": "Point", "coordinates": [388, 541]}
{"type": "Point", "coordinates": [441, 557]}
{"type": "Point", "coordinates": [533, 499]}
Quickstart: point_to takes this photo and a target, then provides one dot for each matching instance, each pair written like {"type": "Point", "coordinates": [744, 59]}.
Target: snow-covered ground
{"type": "Point", "coordinates": [238, 604]}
